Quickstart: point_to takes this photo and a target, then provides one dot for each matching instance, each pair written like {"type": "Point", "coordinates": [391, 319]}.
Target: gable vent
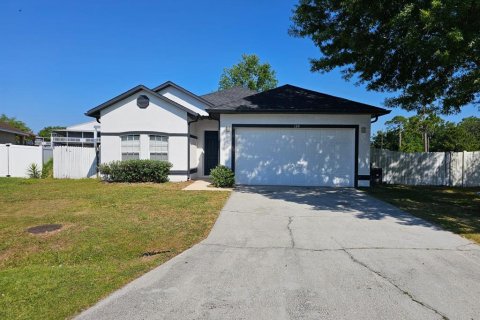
{"type": "Point", "coordinates": [143, 101]}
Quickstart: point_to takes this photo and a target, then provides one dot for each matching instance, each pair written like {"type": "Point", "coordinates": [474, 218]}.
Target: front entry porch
{"type": "Point", "coordinates": [204, 148]}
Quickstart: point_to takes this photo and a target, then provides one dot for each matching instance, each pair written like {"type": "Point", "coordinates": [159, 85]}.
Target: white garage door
{"type": "Point", "coordinates": [297, 157]}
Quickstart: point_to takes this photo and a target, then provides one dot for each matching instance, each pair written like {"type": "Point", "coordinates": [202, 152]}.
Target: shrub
{"type": "Point", "coordinates": [33, 171]}
{"type": "Point", "coordinates": [136, 171]}
{"type": "Point", "coordinates": [105, 170]}
{"type": "Point", "coordinates": [222, 177]}
{"type": "Point", "coordinates": [47, 170]}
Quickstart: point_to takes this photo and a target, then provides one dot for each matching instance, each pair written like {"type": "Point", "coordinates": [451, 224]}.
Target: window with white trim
{"type": "Point", "coordinates": [158, 148]}
{"type": "Point", "coordinates": [131, 147]}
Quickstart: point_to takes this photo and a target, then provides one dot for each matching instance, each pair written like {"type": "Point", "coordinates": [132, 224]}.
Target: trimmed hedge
{"type": "Point", "coordinates": [136, 171]}
{"type": "Point", "coordinates": [222, 177]}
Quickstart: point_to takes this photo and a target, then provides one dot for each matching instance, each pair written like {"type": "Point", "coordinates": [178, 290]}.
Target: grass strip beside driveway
{"type": "Point", "coordinates": [454, 209]}
{"type": "Point", "coordinates": [112, 233]}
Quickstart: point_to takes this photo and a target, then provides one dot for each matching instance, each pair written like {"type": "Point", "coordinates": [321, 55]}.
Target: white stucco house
{"type": "Point", "coordinates": [284, 136]}
{"type": "Point", "coordinates": [85, 134]}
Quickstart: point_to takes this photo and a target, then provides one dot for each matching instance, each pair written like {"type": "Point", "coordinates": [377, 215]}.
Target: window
{"type": "Point", "coordinates": [130, 147]}
{"type": "Point", "coordinates": [159, 148]}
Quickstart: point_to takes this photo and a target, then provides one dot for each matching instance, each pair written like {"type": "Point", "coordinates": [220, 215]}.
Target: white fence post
{"type": "Point", "coordinates": [16, 159]}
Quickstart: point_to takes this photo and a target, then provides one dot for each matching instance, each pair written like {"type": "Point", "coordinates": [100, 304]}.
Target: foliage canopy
{"type": "Point", "coordinates": [427, 51]}
{"type": "Point", "coordinates": [249, 73]}
{"type": "Point", "coordinates": [408, 134]}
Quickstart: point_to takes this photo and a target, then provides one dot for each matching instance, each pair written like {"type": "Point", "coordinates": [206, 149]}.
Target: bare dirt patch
{"type": "Point", "coordinates": [44, 228]}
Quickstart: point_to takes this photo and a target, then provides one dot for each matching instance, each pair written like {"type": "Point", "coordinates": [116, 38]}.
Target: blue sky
{"type": "Point", "coordinates": [61, 58]}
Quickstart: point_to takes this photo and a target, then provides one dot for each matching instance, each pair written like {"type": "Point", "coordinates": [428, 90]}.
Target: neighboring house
{"type": "Point", "coordinates": [79, 135]}
{"type": "Point", "coordinates": [284, 136]}
{"type": "Point", "coordinates": [10, 134]}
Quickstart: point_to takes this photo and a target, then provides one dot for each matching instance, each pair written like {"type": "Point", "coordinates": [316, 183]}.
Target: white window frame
{"type": "Point", "coordinates": [130, 147]}
{"type": "Point", "coordinates": [156, 149]}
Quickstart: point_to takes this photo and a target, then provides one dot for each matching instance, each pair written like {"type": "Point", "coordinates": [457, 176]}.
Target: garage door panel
{"type": "Point", "coordinates": [303, 157]}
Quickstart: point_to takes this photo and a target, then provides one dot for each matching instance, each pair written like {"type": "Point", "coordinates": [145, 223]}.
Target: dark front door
{"type": "Point", "coordinates": [211, 151]}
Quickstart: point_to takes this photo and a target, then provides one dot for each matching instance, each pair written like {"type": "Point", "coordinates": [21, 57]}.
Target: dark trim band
{"type": "Point", "coordinates": [295, 111]}
{"type": "Point", "coordinates": [182, 172]}
{"type": "Point", "coordinates": [178, 173]}
{"type": "Point", "coordinates": [145, 132]}
{"type": "Point", "coordinates": [301, 126]}
{"type": "Point", "coordinates": [364, 177]}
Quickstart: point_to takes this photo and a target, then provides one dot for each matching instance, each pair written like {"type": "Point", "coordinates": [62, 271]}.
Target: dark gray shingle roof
{"type": "Point", "coordinates": [289, 99]}
{"type": "Point", "coordinates": [224, 96]}
{"type": "Point", "coordinates": [5, 127]}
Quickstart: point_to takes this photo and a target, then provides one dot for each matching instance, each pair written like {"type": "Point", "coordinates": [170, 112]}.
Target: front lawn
{"type": "Point", "coordinates": [111, 234]}
{"type": "Point", "coordinates": [454, 209]}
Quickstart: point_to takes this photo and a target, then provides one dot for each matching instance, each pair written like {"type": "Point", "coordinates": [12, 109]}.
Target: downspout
{"type": "Point", "coordinates": [376, 119]}
{"type": "Point", "coordinates": [188, 144]}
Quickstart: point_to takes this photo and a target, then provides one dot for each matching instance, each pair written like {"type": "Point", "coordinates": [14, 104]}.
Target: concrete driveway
{"type": "Point", "coordinates": [283, 253]}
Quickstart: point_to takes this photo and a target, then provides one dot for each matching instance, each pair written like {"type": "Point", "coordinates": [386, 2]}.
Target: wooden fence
{"type": "Point", "coordinates": [428, 168]}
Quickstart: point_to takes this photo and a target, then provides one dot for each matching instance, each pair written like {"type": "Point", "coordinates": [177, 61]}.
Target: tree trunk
{"type": "Point", "coordinates": [400, 140]}
{"type": "Point", "coordinates": [425, 141]}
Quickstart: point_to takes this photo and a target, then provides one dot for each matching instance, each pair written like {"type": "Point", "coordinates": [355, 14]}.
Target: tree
{"type": "Point", "coordinates": [20, 125]}
{"type": "Point", "coordinates": [249, 73]}
{"type": "Point", "coordinates": [469, 134]}
{"type": "Point", "coordinates": [446, 138]}
{"type": "Point", "coordinates": [427, 51]}
{"type": "Point", "coordinates": [397, 124]}
{"type": "Point", "coordinates": [430, 133]}
{"type": "Point", "coordinates": [385, 140]}
{"type": "Point", "coordinates": [47, 131]}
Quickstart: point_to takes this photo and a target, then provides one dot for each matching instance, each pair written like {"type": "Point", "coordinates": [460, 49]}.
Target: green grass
{"type": "Point", "coordinates": [107, 228]}
{"type": "Point", "coordinates": [454, 209]}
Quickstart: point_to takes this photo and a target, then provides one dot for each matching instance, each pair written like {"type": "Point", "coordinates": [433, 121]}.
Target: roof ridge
{"type": "Point", "coordinates": [290, 98]}
{"type": "Point", "coordinates": [231, 88]}
{"type": "Point", "coordinates": [182, 89]}
{"type": "Point", "coordinates": [93, 111]}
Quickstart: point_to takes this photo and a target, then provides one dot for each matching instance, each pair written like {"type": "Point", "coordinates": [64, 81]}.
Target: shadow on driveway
{"type": "Point", "coordinates": [339, 200]}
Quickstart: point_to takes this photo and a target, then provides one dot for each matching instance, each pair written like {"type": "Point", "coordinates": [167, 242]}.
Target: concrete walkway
{"type": "Point", "coordinates": [279, 253]}
{"type": "Point", "coordinates": [203, 185]}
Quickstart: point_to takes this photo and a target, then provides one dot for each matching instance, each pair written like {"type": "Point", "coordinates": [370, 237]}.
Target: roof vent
{"type": "Point", "coordinates": [143, 101]}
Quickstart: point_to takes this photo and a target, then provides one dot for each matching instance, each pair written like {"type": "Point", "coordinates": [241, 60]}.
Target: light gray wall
{"type": "Point", "coordinates": [160, 117]}
{"type": "Point", "coordinates": [226, 120]}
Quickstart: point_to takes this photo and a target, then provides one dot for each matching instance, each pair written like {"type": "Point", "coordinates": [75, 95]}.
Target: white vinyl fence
{"type": "Point", "coordinates": [16, 159]}
{"type": "Point", "coordinates": [460, 169]}
{"type": "Point", "coordinates": [74, 162]}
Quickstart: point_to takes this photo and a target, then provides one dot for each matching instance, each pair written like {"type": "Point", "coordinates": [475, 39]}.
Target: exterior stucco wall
{"type": "Point", "coordinates": [160, 117]}
{"type": "Point", "coordinates": [86, 126]}
{"type": "Point", "coordinates": [184, 99]}
{"type": "Point", "coordinates": [193, 157]}
{"type": "Point", "coordinates": [198, 129]}
{"type": "Point", "coordinates": [363, 121]}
